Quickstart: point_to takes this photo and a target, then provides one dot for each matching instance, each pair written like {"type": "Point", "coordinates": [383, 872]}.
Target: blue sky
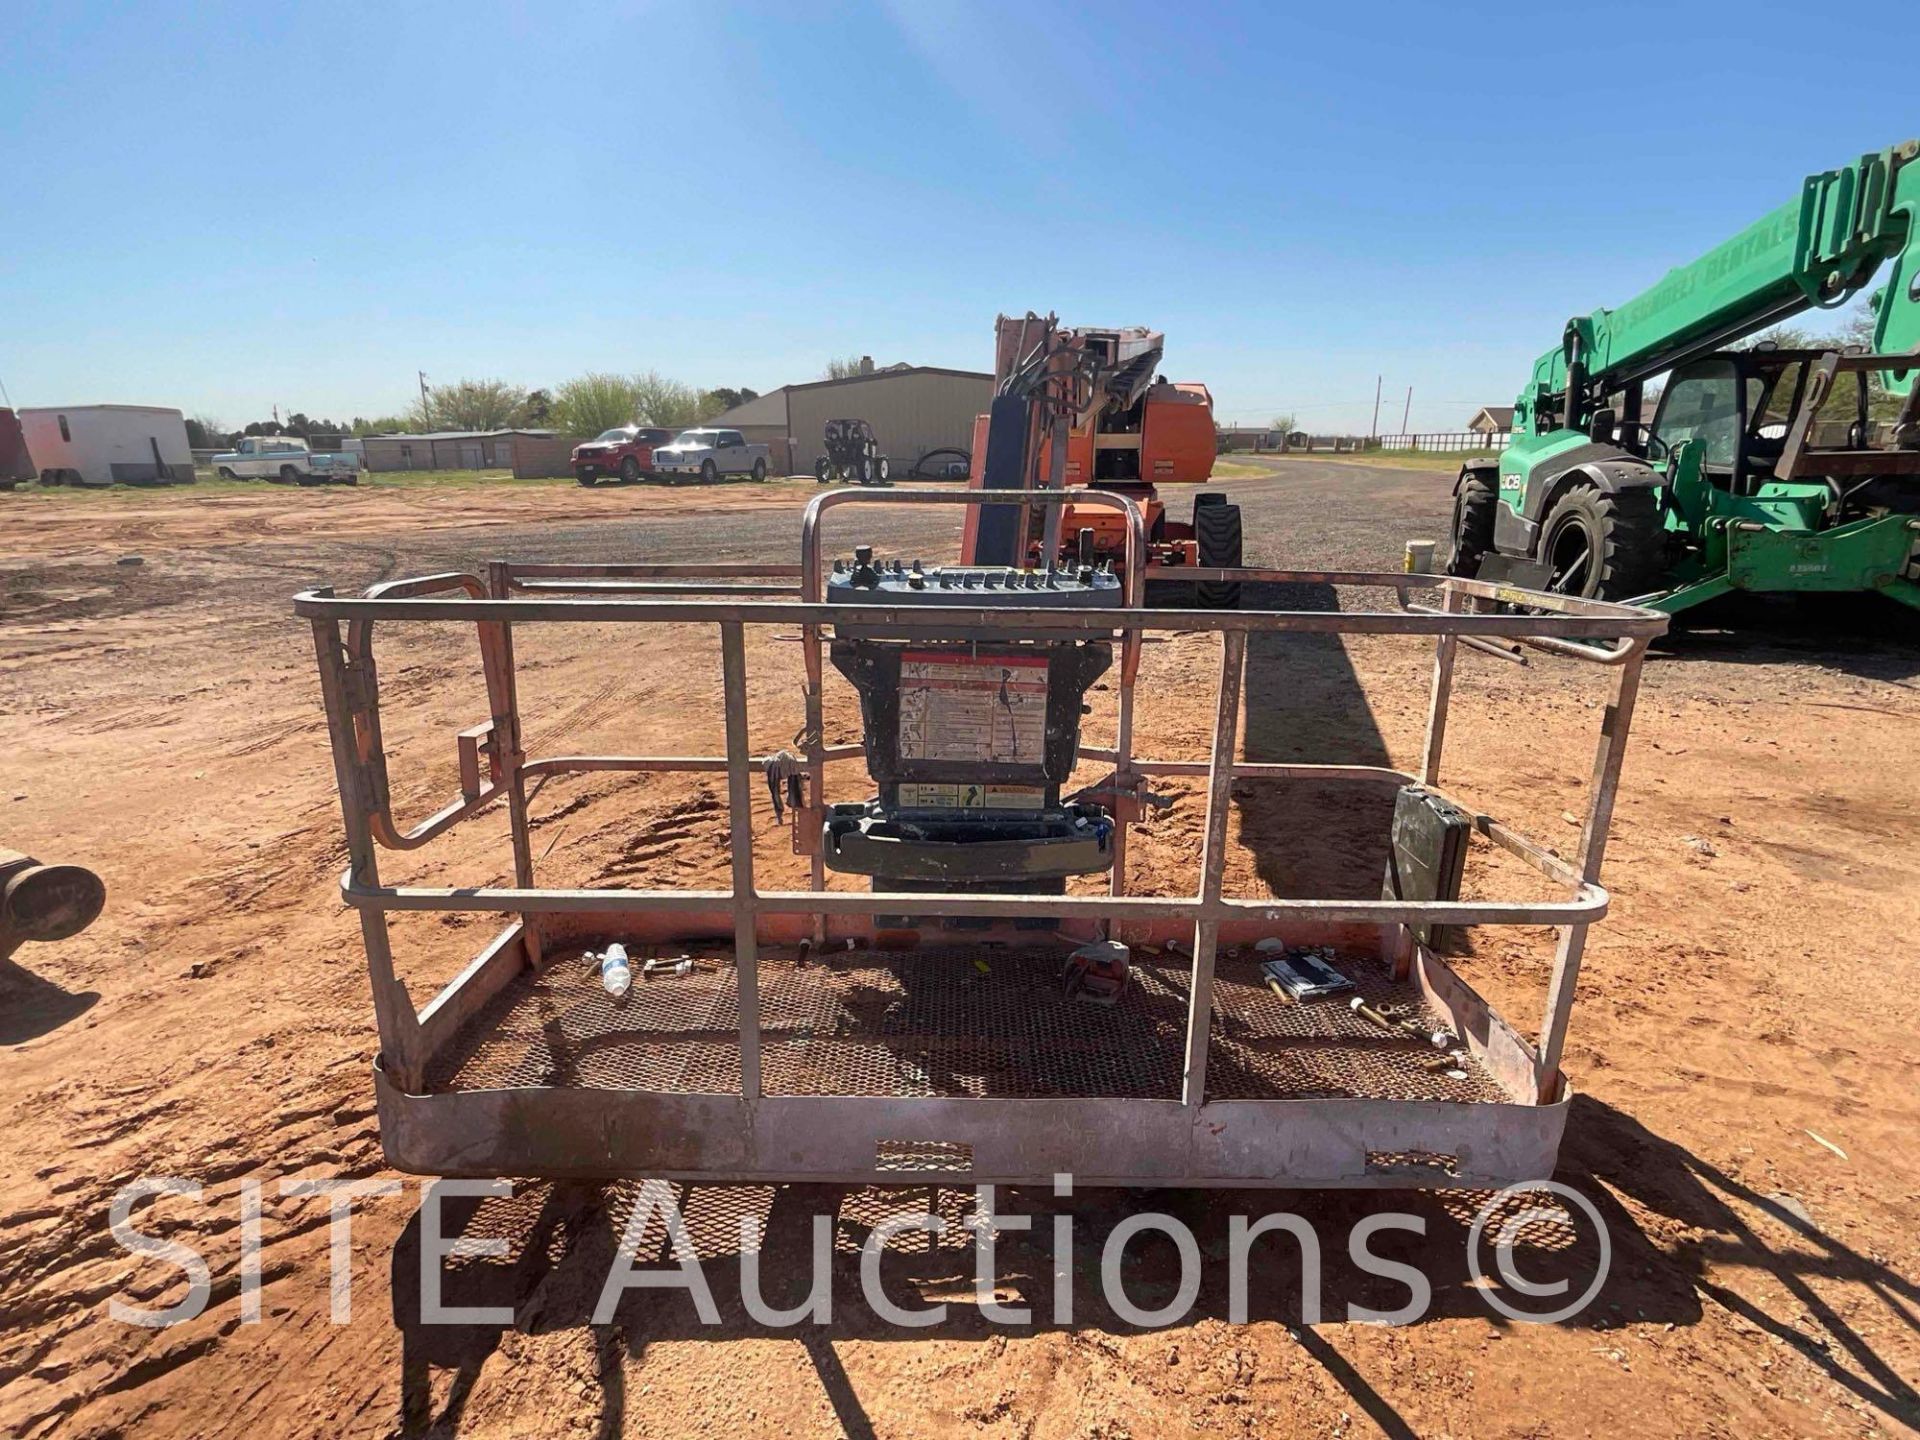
{"type": "Point", "coordinates": [227, 206]}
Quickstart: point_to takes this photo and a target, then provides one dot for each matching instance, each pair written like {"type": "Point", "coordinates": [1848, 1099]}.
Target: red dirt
{"type": "Point", "coordinates": [1746, 1003]}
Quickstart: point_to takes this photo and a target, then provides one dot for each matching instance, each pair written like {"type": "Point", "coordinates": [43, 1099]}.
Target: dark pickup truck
{"type": "Point", "coordinates": [624, 452]}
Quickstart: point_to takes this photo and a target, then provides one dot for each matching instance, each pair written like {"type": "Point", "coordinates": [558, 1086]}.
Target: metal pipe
{"type": "Point", "coordinates": [1608, 623]}
{"type": "Point", "coordinates": [1213, 865]}
{"type": "Point", "coordinates": [496, 654]}
{"type": "Point", "coordinates": [1261, 769]}
{"type": "Point", "coordinates": [1589, 904]}
{"type": "Point", "coordinates": [393, 1012]}
{"type": "Point", "coordinates": [648, 587]}
{"type": "Point", "coordinates": [640, 570]}
{"type": "Point", "coordinates": [1609, 755]}
{"type": "Point", "coordinates": [1597, 654]}
{"type": "Point", "coordinates": [813, 748]}
{"type": "Point", "coordinates": [1440, 694]}
{"type": "Point", "coordinates": [746, 953]}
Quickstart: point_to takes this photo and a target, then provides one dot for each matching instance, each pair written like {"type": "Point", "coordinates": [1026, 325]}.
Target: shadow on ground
{"type": "Point", "coordinates": [561, 1242]}
{"type": "Point", "coordinates": [32, 1006]}
{"type": "Point", "coordinates": [1304, 704]}
{"type": "Point", "coordinates": [1850, 634]}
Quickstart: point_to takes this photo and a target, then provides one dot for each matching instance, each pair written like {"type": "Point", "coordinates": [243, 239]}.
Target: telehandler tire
{"type": "Point", "coordinates": [1603, 545]}
{"type": "Point", "coordinates": [1474, 503]}
{"type": "Point", "coordinates": [1217, 536]}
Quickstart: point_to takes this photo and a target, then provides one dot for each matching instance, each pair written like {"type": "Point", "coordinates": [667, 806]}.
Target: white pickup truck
{"type": "Point", "coordinates": [710, 454]}
{"type": "Point", "coordinates": [287, 459]}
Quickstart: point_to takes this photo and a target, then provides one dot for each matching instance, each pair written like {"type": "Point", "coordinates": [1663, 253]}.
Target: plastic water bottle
{"type": "Point", "coordinates": [615, 974]}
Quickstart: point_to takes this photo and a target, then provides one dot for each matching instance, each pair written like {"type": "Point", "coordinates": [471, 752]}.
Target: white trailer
{"type": "Point", "coordinates": [108, 445]}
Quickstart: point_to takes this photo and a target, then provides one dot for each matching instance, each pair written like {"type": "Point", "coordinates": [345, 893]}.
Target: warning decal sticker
{"type": "Point", "coordinates": [955, 706]}
{"type": "Point", "coordinates": [972, 796]}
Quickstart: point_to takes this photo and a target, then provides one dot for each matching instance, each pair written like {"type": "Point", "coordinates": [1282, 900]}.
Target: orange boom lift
{"type": "Point", "coordinates": [1089, 407]}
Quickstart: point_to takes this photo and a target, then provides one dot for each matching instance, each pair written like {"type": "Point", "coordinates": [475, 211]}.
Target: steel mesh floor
{"type": "Point", "coordinates": [949, 1020]}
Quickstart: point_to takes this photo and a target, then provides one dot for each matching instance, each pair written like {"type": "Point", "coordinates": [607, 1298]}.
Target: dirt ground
{"type": "Point", "coordinates": [1743, 1047]}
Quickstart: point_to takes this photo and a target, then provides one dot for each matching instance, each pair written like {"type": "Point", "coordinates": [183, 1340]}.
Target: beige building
{"type": "Point", "coordinates": [913, 409]}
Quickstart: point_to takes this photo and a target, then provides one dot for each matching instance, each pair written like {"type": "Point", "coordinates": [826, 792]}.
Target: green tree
{"type": "Point", "coordinates": [472, 405]}
{"type": "Point", "coordinates": [661, 401]}
{"type": "Point", "coordinates": [1856, 329]}
{"type": "Point", "coordinates": [725, 398]}
{"type": "Point", "coordinates": [841, 368]}
{"type": "Point", "coordinates": [1286, 423]}
{"type": "Point", "coordinates": [539, 407]}
{"type": "Point", "coordinates": [596, 401]}
{"type": "Point", "coordinates": [206, 433]}
{"type": "Point", "coordinates": [383, 425]}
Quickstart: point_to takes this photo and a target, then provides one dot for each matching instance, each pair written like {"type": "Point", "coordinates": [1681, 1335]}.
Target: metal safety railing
{"type": "Point", "coordinates": [494, 767]}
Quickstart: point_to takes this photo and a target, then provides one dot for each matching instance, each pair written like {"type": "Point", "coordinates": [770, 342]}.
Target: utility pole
{"type": "Point", "coordinates": [1374, 433]}
{"type": "Point", "coordinates": [426, 410]}
{"type": "Point", "coordinates": [1407, 413]}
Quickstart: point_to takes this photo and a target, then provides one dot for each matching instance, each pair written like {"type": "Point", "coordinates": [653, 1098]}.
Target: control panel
{"type": "Point", "coordinates": [866, 581]}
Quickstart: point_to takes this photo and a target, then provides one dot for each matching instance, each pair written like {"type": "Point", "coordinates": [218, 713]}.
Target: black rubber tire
{"type": "Point", "coordinates": [289, 475]}
{"type": "Point", "coordinates": [759, 471]}
{"type": "Point", "coordinates": [630, 470]}
{"type": "Point", "coordinates": [708, 472]}
{"type": "Point", "coordinates": [1217, 533]}
{"type": "Point", "coordinates": [585, 480]}
{"type": "Point", "coordinates": [864, 472]}
{"type": "Point", "coordinates": [1622, 529]}
{"type": "Point", "coordinates": [881, 470]}
{"type": "Point", "coordinates": [823, 470]}
{"type": "Point", "coordinates": [226, 474]}
{"type": "Point", "coordinates": [1474, 506]}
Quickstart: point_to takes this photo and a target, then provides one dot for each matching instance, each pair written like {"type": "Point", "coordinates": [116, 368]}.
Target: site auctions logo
{"type": "Point", "coordinates": [1499, 1224]}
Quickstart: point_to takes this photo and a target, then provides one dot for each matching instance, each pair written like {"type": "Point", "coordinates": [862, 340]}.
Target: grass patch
{"type": "Point", "coordinates": [1224, 469]}
{"type": "Point", "coordinates": [1444, 462]}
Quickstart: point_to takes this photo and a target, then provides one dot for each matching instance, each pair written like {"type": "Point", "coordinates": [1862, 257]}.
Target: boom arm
{"type": "Point", "coordinates": [1819, 249]}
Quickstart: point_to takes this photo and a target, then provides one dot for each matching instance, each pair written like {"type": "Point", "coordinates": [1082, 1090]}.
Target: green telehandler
{"type": "Point", "coordinates": [1762, 468]}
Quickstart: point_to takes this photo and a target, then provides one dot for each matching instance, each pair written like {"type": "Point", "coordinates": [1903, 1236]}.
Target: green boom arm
{"type": "Point", "coordinates": [1819, 249]}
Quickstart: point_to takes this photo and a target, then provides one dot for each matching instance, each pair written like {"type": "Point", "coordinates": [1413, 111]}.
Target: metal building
{"type": "Point", "coordinates": [448, 449]}
{"type": "Point", "coordinates": [913, 409]}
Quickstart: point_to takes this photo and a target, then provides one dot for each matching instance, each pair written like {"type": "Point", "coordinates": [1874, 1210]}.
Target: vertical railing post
{"type": "Point", "coordinates": [1123, 753]}
{"type": "Point", "coordinates": [1397, 940]}
{"type": "Point", "coordinates": [1213, 865]}
{"type": "Point", "coordinates": [1445, 648]}
{"type": "Point", "coordinates": [814, 750]}
{"type": "Point", "coordinates": [1609, 753]}
{"type": "Point", "coordinates": [746, 953]}
{"type": "Point", "coordinates": [496, 658]}
{"type": "Point", "coordinates": [398, 1022]}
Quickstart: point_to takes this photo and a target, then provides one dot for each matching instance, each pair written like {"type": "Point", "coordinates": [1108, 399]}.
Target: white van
{"type": "Point", "coordinates": [108, 445]}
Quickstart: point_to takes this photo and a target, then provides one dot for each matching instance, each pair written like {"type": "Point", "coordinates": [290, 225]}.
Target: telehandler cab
{"type": "Point", "coordinates": [1762, 469]}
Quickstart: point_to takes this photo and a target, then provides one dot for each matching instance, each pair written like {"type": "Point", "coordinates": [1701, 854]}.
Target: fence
{"type": "Point", "coordinates": [1446, 440]}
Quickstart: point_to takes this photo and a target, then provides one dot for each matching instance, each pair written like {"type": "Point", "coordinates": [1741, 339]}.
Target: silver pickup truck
{"type": "Point", "coordinates": [710, 454]}
{"type": "Point", "coordinates": [287, 459]}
